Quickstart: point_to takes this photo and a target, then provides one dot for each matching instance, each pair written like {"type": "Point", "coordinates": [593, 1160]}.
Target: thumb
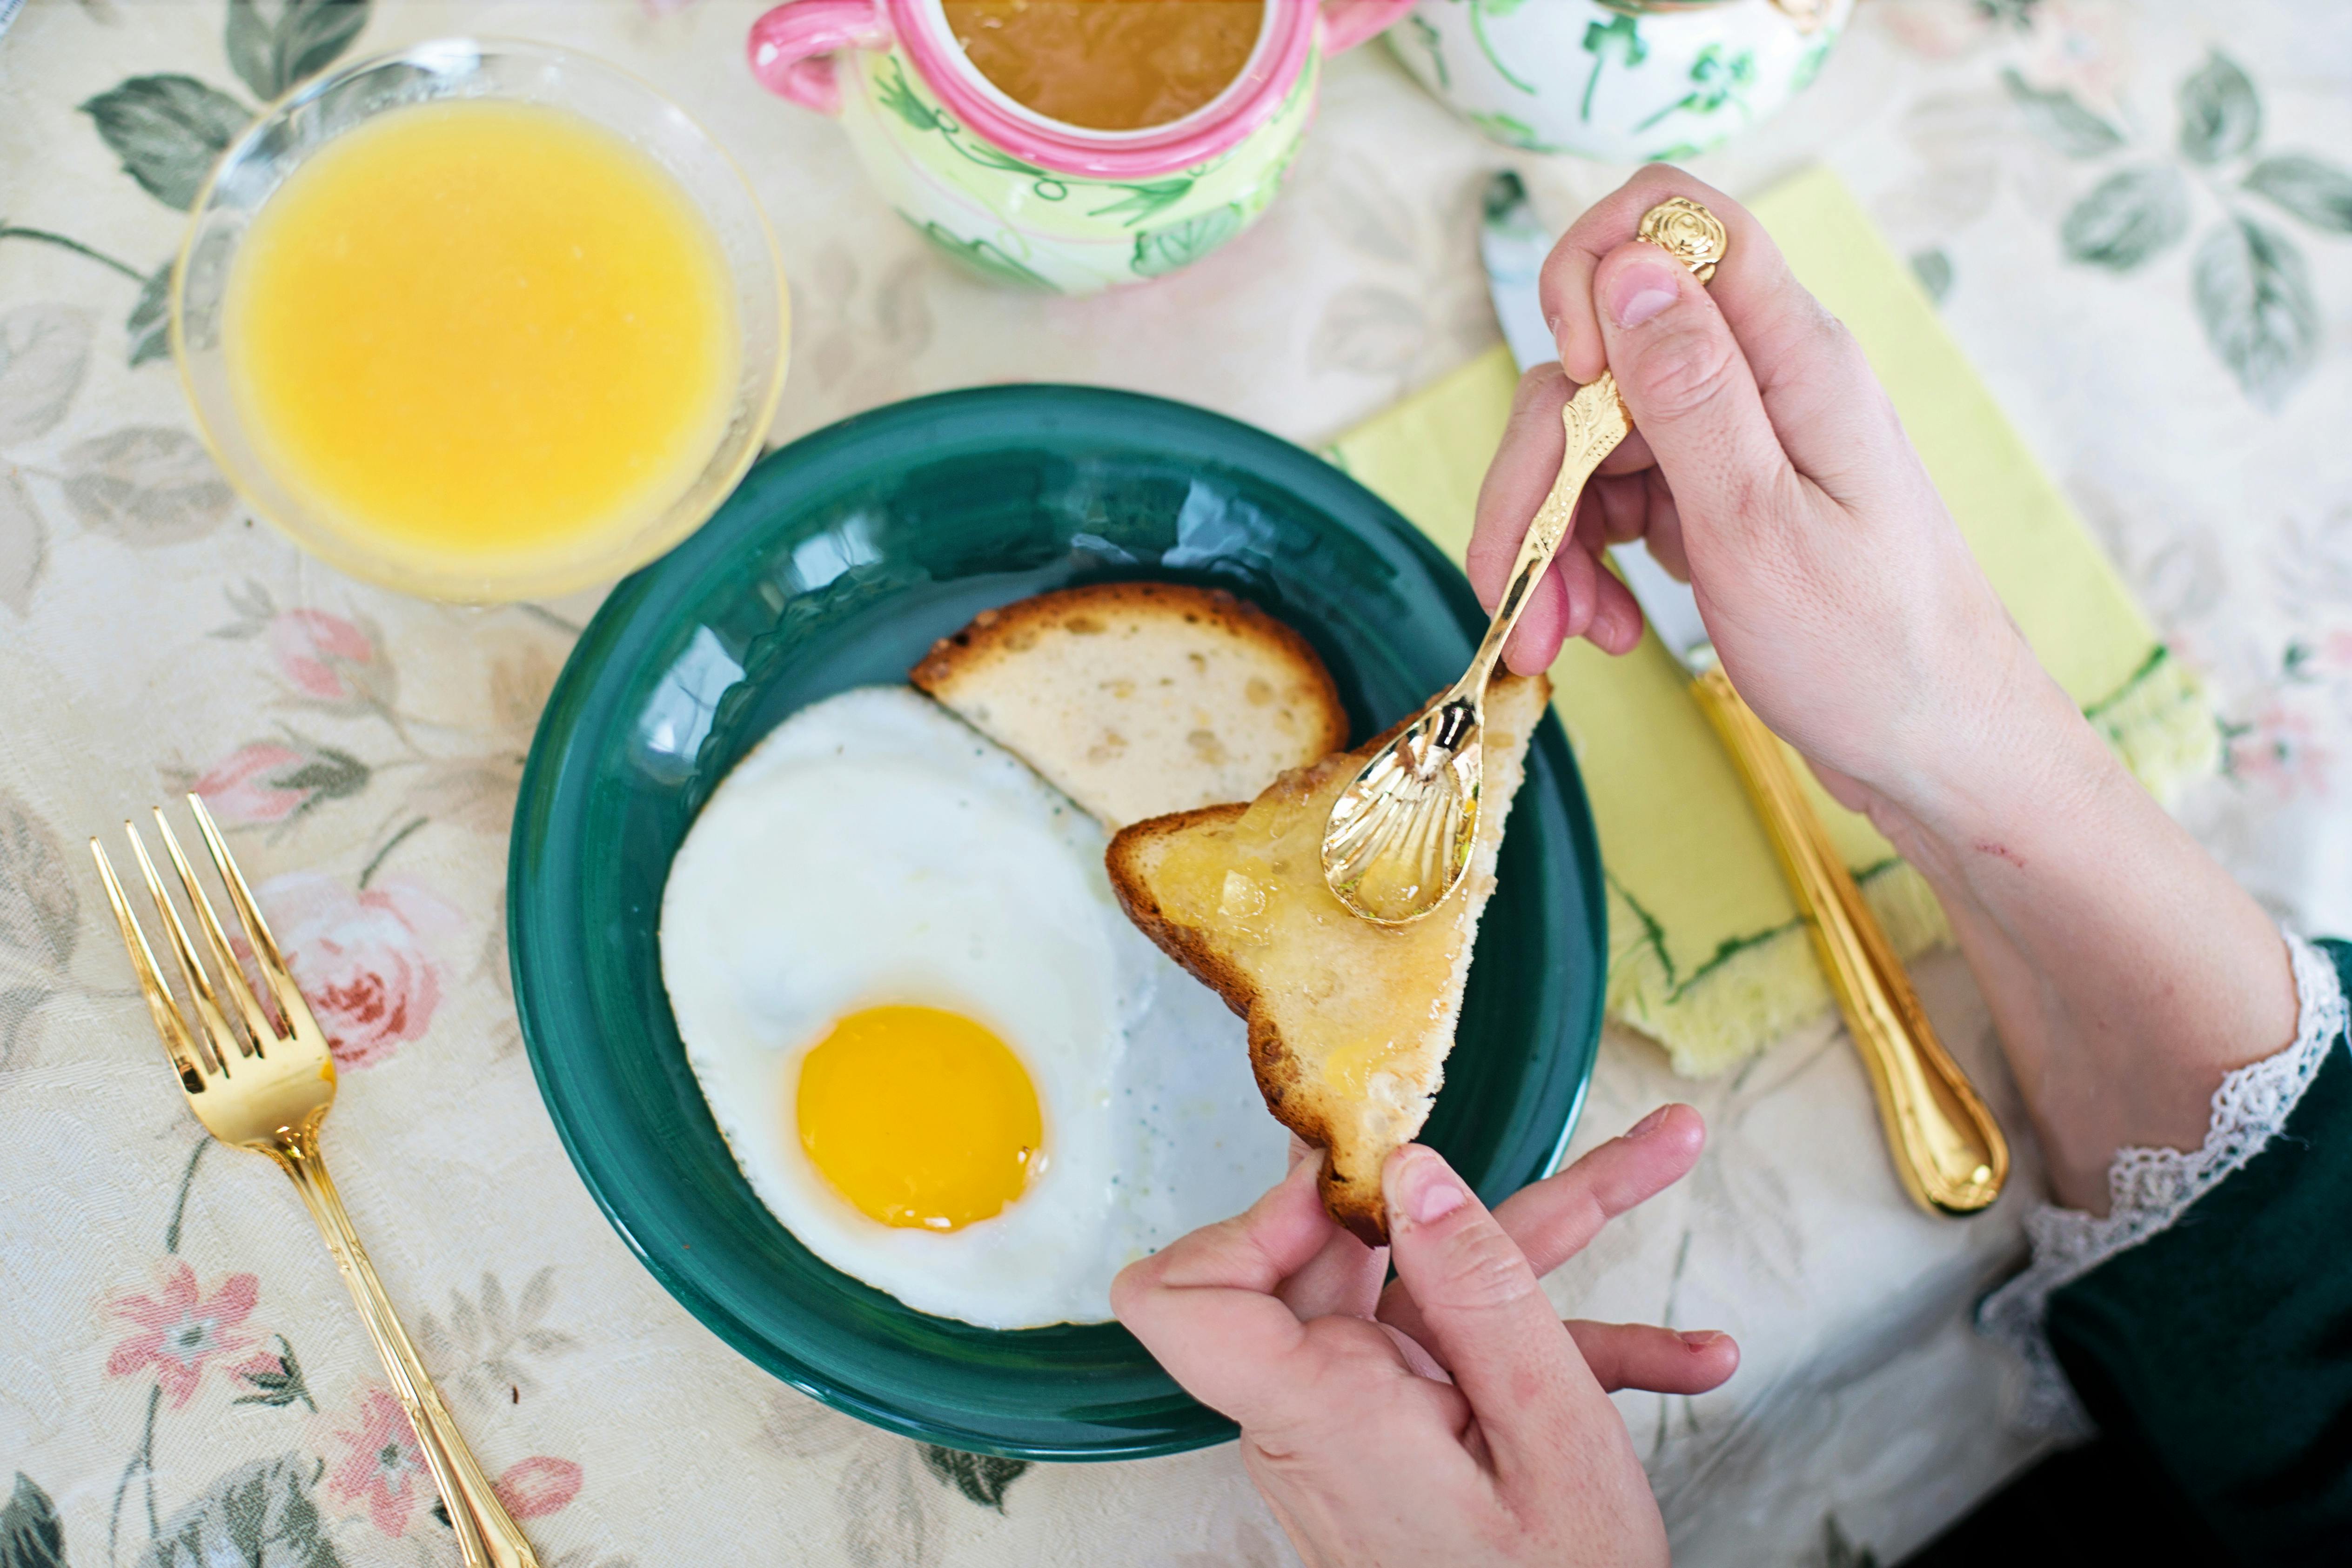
{"type": "Point", "coordinates": [1484, 1316]}
{"type": "Point", "coordinates": [1691, 393]}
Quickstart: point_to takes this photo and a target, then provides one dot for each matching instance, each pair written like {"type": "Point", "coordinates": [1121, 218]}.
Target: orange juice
{"type": "Point", "coordinates": [1109, 65]}
{"type": "Point", "coordinates": [478, 333]}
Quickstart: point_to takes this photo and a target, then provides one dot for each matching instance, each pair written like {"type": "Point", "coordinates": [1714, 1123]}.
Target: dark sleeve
{"type": "Point", "coordinates": [2221, 1347]}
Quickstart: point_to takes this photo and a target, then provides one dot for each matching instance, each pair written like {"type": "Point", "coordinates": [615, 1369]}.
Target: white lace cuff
{"type": "Point", "coordinates": [2150, 1188]}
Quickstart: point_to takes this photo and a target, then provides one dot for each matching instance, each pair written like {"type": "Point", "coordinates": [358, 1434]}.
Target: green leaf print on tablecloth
{"type": "Point", "coordinates": [983, 1478]}
{"type": "Point", "coordinates": [150, 324]}
{"type": "Point", "coordinates": [2254, 297]}
{"type": "Point", "coordinates": [2127, 217]}
{"type": "Point", "coordinates": [275, 1389]}
{"type": "Point", "coordinates": [24, 552]}
{"type": "Point", "coordinates": [40, 912]}
{"type": "Point", "coordinates": [2250, 282]}
{"type": "Point", "coordinates": [258, 1515]}
{"type": "Point", "coordinates": [168, 131]}
{"type": "Point", "coordinates": [272, 52]}
{"type": "Point", "coordinates": [30, 1533]}
{"type": "Point", "coordinates": [147, 485]}
{"type": "Point", "coordinates": [1158, 250]}
{"type": "Point", "coordinates": [2319, 193]}
{"type": "Point", "coordinates": [2221, 113]}
{"type": "Point", "coordinates": [44, 355]}
{"type": "Point", "coordinates": [1933, 267]}
{"type": "Point", "coordinates": [2060, 120]}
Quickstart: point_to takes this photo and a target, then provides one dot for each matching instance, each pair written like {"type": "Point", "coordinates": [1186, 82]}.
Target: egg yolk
{"type": "Point", "coordinates": [919, 1117]}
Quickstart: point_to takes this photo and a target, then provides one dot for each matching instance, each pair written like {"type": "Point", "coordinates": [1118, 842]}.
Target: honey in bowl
{"type": "Point", "coordinates": [1109, 65]}
{"type": "Point", "coordinates": [481, 334]}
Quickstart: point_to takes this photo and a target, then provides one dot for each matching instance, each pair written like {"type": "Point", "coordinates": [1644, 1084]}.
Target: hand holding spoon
{"type": "Point", "coordinates": [1399, 838]}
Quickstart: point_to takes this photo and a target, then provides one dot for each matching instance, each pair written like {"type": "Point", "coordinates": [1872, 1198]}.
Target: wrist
{"type": "Point", "coordinates": [2006, 767]}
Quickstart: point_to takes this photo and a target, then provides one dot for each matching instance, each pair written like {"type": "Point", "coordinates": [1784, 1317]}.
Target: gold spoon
{"type": "Point", "coordinates": [1398, 837]}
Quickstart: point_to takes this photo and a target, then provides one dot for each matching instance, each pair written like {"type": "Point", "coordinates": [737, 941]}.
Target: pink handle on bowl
{"type": "Point", "coordinates": [793, 46]}
{"type": "Point", "coordinates": [1346, 22]}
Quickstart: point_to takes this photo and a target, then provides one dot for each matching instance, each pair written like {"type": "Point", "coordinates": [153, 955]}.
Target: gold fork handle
{"type": "Point", "coordinates": [487, 1534]}
{"type": "Point", "coordinates": [1594, 420]}
{"type": "Point", "coordinates": [1947, 1147]}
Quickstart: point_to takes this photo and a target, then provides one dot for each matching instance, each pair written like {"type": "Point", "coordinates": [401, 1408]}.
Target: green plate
{"type": "Point", "coordinates": [836, 565]}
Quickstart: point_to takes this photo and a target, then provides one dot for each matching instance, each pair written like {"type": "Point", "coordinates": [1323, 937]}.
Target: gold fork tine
{"type": "Point", "coordinates": [274, 968]}
{"type": "Point", "coordinates": [259, 1029]}
{"type": "Point", "coordinates": [169, 1025]}
{"type": "Point", "coordinates": [213, 1033]}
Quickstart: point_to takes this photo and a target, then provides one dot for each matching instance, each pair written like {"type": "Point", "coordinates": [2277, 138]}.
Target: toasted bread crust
{"type": "Point", "coordinates": [1357, 1201]}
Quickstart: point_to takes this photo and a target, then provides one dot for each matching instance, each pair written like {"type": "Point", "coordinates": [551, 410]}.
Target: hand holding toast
{"type": "Point", "coordinates": [1454, 1418]}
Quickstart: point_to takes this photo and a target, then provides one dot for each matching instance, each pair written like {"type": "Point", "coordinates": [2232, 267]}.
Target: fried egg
{"type": "Point", "coordinates": [941, 1055]}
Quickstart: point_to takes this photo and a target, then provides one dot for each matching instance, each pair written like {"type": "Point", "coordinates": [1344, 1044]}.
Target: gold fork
{"type": "Point", "coordinates": [266, 1084]}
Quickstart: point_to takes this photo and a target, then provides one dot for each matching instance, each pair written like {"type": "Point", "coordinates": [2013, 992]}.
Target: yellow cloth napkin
{"type": "Point", "coordinates": [1708, 955]}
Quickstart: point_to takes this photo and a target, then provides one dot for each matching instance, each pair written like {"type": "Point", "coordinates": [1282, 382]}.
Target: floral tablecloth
{"type": "Point", "coordinates": [2138, 222]}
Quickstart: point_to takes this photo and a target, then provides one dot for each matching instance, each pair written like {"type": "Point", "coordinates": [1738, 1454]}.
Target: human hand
{"type": "Point", "coordinates": [2125, 972]}
{"type": "Point", "coordinates": [1768, 468]}
{"type": "Point", "coordinates": [1450, 1419]}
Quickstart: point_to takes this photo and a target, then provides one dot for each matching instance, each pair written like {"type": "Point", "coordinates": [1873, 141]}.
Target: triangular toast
{"type": "Point", "coordinates": [1349, 1023]}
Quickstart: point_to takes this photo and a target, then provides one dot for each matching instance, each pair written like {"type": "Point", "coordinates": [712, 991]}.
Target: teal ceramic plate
{"type": "Point", "coordinates": [836, 565]}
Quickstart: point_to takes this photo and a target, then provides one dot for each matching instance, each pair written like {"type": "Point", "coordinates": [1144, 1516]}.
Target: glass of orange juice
{"type": "Point", "coordinates": [480, 319]}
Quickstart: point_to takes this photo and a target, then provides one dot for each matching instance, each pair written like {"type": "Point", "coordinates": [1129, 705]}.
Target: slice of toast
{"type": "Point", "coordinates": [1350, 1022]}
{"type": "Point", "coordinates": [1140, 699]}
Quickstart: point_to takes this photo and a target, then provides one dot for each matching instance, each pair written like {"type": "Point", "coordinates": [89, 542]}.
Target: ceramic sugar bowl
{"type": "Point", "coordinates": [1622, 80]}
{"type": "Point", "coordinates": [1040, 203]}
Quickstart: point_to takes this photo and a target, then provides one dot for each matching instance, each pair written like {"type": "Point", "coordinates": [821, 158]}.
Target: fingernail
{"type": "Point", "coordinates": [1639, 291]}
{"type": "Point", "coordinates": [1699, 1339]}
{"type": "Point", "coordinates": [1430, 1190]}
{"type": "Point", "coordinates": [1650, 1123]}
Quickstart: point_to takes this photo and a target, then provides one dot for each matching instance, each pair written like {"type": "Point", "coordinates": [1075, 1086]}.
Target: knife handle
{"type": "Point", "coordinates": [1946, 1145]}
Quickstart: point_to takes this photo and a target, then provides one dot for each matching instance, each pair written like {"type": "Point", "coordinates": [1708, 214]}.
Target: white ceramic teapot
{"type": "Point", "coordinates": [1623, 80]}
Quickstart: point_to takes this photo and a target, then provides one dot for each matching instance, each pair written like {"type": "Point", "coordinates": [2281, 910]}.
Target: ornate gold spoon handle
{"type": "Point", "coordinates": [1399, 838]}
{"type": "Point", "coordinates": [1595, 421]}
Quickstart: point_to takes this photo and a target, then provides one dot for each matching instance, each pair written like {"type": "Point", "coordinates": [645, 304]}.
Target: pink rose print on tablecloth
{"type": "Point", "coordinates": [537, 1485]}
{"type": "Point", "coordinates": [180, 1329]}
{"type": "Point", "coordinates": [380, 1466]}
{"type": "Point", "coordinates": [364, 960]}
{"type": "Point", "coordinates": [270, 781]}
{"type": "Point", "coordinates": [2076, 45]}
{"type": "Point", "coordinates": [2278, 749]}
{"type": "Point", "coordinates": [327, 656]}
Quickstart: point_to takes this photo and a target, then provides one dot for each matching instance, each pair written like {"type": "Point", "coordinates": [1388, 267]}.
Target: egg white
{"type": "Point", "coordinates": [874, 849]}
